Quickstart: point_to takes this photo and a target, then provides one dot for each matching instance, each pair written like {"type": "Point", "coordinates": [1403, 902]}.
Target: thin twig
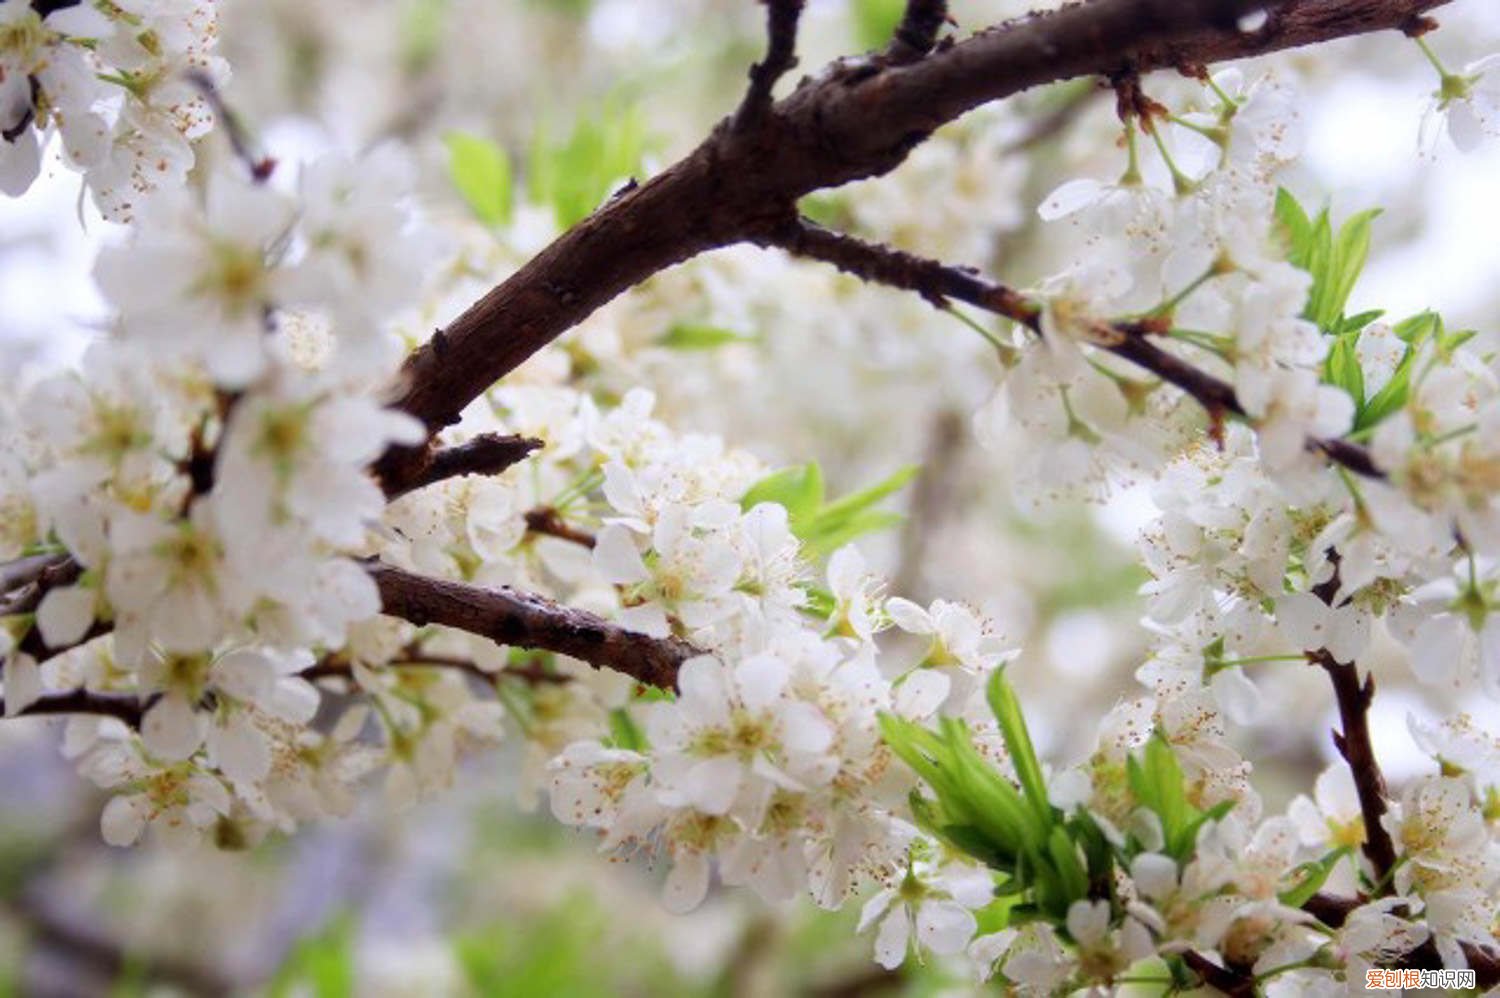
{"type": "Point", "coordinates": [1333, 911]}
{"type": "Point", "coordinates": [547, 521]}
{"type": "Point", "coordinates": [1225, 980]}
{"type": "Point", "coordinates": [1354, 742]}
{"type": "Point", "coordinates": [938, 282]}
{"type": "Point", "coordinates": [126, 708]}
{"type": "Point", "coordinates": [486, 454]}
{"type": "Point", "coordinates": [781, 56]}
{"type": "Point", "coordinates": [918, 31]}
{"type": "Point", "coordinates": [857, 120]}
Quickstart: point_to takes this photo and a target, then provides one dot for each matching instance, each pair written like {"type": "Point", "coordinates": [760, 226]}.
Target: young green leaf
{"type": "Point", "coordinates": [1007, 710]}
{"type": "Point", "coordinates": [798, 488]}
{"type": "Point", "coordinates": [1342, 368]}
{"type": "Point", "coordinates": [696, 336]}
{"type": "Point", "coordinates": [480, 171]}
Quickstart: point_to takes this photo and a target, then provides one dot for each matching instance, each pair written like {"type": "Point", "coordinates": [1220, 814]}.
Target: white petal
{"type": "Point", "coordinates": [23, 684]}
{"type": "Point", "coordinates": [1070, 198]}
{"type": "Point", "coordinates": [909, 617]}
{"type": "Point", "coordinates": [123, 820]}
{"type": "Point", "coordinates": [921, 693]}
{"type": "Point", "coordinates": [760, 680]}
{"type": "Point", "coordinates": [890, 941]}
{"type": "Point", "coordinates": [1239, 698]}
{"type": "Point", "coordinates": [64, 616]}
{"type": "Point", "coordinates": [616, 557]}
{"type": "Point", "coordinates": [944, 927]}
{"type": "Point", "coordinates": [240, 749]}
{"type": "Point", "coordinates": [171, 729]}
{"type": "Point", "coordinates": [687, 884]}
{"type": "Point", "coordinates": [872, 909]}
{"type": "Point", "coordinates": [712, 785]}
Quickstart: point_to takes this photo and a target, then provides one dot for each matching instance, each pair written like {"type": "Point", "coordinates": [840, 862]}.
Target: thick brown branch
{"type": "Point", "coordinates": [918, 31]}
{"type": "Point", "coordinates": [524, 620]}
{"type": "Point", "coordinates": [486, 454]}
{"type": "Point", "coordinates": [859, 119]}
{"type": "Point", "coordinates": [938, 282]}
{"type": "Point", "coordinates": [781, 56]}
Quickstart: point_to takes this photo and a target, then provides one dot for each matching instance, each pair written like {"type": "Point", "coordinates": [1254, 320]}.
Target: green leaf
{"type": "Point", "coordinates": [854, 502]}
{"type": "Point", "coordinates": [822, 539]}
{"type": "Point", "coordinates": [1342, 369]}
{"type": "Point", "coordinates": [819, 602]}
{"type": "Point", "coordinates": [695, 336]}
{"type": "Point", "coordinates": [1417, 328]}
{"type": "Point", "coordinates": [480, 171]}
{"type": "Point", "coordinates": [1334, 261]}
{"type": "Point", "coordinates": [1350, 252]}
{"type": "Point", "coordinates": [1296, 227]}
{"type": "Point", "coordinates": [1064, 856]}
{"type": "Point", "coordinates": [1354, 323]}
{"type": "Point", "coordinates": [1312, 876]}
{"type": "Point", "coordinates": [322, 965]}
{"type": "Point", "coordinates": [1391, 397]}
{"type": "Point", "coordinates": [625, 733]}
{"type": "Point", "coordinates": [798, 488]}
{"type": "Point", "coordinates": [576, 174]}
{"type": "Point", "coordinates": [850, 517]}
{"type": "Point", "coordinates": [824, 528]}
{"type": "Point", "coordinates": [1007, 710]}
{"type": "Point", "coordinates": [1157, 781]}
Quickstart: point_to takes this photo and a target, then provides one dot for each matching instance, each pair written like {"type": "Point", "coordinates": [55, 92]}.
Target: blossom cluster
{"type": "Point", "coordinates": [202, 488]}
{"type": "Point", "coordinates": [122, 85]}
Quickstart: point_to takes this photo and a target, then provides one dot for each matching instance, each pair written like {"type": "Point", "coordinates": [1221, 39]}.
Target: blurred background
{"type": "Point", "coordinates": [477, 893]}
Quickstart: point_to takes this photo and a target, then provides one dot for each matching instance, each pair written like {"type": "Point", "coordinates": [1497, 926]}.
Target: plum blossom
{"type": "Point", "coordinates": [932, 906]}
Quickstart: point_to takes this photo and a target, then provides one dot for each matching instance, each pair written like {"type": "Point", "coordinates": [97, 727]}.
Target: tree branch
{"type": "Point", "coordinates": [1222, 979]}
{"type": "Point", "coordinates": [525, 620]}
{"type": "Point", "coordinates": [918, 31]}
{"type": "Point", "coordinates": [25, 581]}
{"type": "Point", "coordinates": [486, 454]}
{"type": "Point", "coordinates": [781, 56]}
{"type": "Point", "coordinates": [126, 708]}
{"type": "Point", "coordinates": [546, 521]}
{"type": "Point", "coordinates": [1333, 911]}
{"type": "Point", "coordinates": [1358, 750]}
{"type": "Point", "coordinates": [939, 282]}
{"type": "Point", "coordinates": [859, 119]}
{"type": "Point", "coordinates": [1354, 742]}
